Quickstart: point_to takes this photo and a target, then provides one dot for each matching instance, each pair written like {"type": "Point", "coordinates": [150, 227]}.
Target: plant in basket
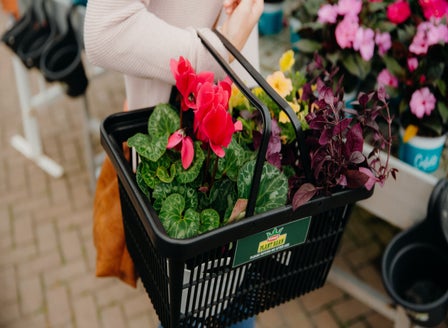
{"type": "Point", "coordinates": [197, 159]}
{"type": "Point", "coordinates": [334, 134]}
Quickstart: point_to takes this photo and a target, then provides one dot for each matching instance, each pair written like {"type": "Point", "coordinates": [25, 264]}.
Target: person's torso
{"type": "Point", "coordinates": [185, 13]}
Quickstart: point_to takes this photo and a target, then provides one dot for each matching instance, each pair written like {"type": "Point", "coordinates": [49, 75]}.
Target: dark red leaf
{"type": "Point", "coordinates": [355, 179]}
{"type": "Point", "coordinates": [304, 194]}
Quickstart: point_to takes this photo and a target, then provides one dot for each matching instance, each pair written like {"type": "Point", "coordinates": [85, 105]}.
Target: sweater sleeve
{"type": "Point", "coordinates": [124, 36]}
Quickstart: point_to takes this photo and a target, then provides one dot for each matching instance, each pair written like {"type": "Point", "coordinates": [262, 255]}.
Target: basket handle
{"type": "Point", "coordinates": [282, 103]}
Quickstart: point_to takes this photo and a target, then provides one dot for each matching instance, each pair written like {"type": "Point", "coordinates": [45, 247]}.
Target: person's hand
{"type": "Point", "coordinates": [242, 17]}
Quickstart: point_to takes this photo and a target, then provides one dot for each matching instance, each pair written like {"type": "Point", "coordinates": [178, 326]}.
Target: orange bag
{"type": "Point", "coordinates": [113, 258]}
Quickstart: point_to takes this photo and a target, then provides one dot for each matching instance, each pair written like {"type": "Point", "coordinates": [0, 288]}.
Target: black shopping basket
{"type": "Point", "coordinates": [237, 271]}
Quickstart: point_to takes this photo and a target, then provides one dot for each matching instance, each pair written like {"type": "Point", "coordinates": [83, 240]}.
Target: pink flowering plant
{"type": "Point", "coordinates": [414, 69]}
{"type": "Point", "coordinates": [397, 44]}
{"type": "Point", "coordinates": [197, 159]}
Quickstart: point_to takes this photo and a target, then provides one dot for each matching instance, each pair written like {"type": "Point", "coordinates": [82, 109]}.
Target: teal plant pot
{"type": "Point", "coordinates": [271, 20]}
{"type": "Point", "coordinates": [423, 153]}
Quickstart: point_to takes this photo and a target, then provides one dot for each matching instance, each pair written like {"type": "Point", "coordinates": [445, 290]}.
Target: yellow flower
{"type": "Point", "coordinates": [237, 98]}
{"type": "Point", "coordinates": [283, 118]}
{"type": "Point", "coordinates": [410, 132]}
{"type": "Point", "coordinates": [257, 91]}
{"type": "Point", "coordinates": [286, 61]}
{"type": "Point", "coordinates": [280, 83]}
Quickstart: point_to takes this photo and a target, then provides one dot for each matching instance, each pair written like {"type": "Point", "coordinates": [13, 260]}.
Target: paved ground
{"type": "Point", "coordinates": [46, 251]}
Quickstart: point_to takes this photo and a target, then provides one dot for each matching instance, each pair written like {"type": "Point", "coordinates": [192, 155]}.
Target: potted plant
{"type": "Point", "coordinates": [248, 190]}
{"type": "Point", "coordinates": [398, 44]}
{"type": "Point", "coordinates": [414, 71]}
{"type": "Point", "coordinates": [347, 34]}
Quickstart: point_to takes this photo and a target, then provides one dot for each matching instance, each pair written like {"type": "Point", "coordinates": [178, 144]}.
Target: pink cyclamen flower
{"type": "Point", "coordinates": [386, 79]}
{"type": "Point", "coordinates": [187, 148]}
{"type": "Point", "coordinates": [327, 14]}
{"type": "Point", "coordinates": [383, 41]}
{"type": "Point", "coordinates": [364, 43]}
{"type": "Point", "coordinates": [219, 128]}
{"type": "Point", "coordinates": [209, 96]}
{"type": "Point", "coordinates": [349, 7]}
{"type": "Point", "coordinates": [422, 102]}
{"type": "Point", "coordinates": [346, 31]}
{"type": "Point", "coordinates": [412, 64]}
{"type": "Point", "coordinates": [434, 8]}
{"type": "Point", "coordinates": [187, 80]}
{"type": "Point", "coordinates": [398, 12]}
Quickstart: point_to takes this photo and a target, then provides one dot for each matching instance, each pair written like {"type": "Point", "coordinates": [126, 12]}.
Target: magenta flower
{"type": "Point", "coordinates": [346, 31]}
{"type": "Point", "coordinates": [218, 127]}
{"type": "Point", "coordinates": [209, 96]}
{"type": "Point", "coordinates": [187, 149]}
{"type": "Point", "coordinates": [187, 81]}
{"type": "Point", "coordinates": [398, 12]}
{"type": "Point", "coordinates": [383, 41]}
{"type": "Point", "coordinates": [422, 102]}
{"type": "Point", "coordinates": [327, 14]}
{"type": "Point", "coordinates": [434, 8]}
{"type": "Point", "coordinates": [349, 7]}
{"type": "Point", "coordinates": [364, 43]}
{"type": "Point", "coordinates": [386, 79]}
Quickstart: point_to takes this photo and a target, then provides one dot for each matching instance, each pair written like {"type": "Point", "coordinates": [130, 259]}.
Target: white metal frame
{"type": "Point", "coordinates": [30, 143]}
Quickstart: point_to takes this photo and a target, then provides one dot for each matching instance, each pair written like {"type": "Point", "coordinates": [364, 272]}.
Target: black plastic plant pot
{"type": "Point", "coordinates": [415, 274]}
{"type": "Point", "coordinates": [62, 62]}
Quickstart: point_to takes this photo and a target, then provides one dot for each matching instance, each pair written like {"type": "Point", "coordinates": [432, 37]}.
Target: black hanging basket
{"type": "Point", "coordinates": [232, 273]}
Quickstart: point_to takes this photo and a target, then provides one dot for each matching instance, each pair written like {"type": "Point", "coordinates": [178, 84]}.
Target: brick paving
{"type": "Point", "coordinates": [47, 256]}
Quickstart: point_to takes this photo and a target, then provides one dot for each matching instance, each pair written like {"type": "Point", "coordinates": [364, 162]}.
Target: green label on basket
{"type": "Point", "coordinates": [271, 241]}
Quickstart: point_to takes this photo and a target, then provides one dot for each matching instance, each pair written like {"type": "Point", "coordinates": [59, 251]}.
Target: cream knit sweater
{"type": "Point", "coordinates": [139, 37]}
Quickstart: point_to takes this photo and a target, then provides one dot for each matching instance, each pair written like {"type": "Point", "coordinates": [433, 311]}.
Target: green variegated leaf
{"type": "Point", "coordinates": [189, 175]}
{"type": "Point", "coordinates": [165, 176]}
{"type": "Point", "coordinates": [230, 164]}
{"type": "Point", "coordinates": [164, 120]}
{"type": "Point", "coordinates": [163, 190]}
{"type": "Point", "coordinates": [245, 179]}
{"type": "Point", "coordinates": [209, 220]}
{"type": "Point", "coordinates": [178, 224]}
{"type": "Point", "coordinates": [222, 196]}
{"type": "Point", "coordinates": [151, 148]}
{"type": "Point", "coordinates": [273, 188]}
{"type": "Point", "coordinates": [142, 185]}
{"type": "Point", "coordinates": [146, 173]}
